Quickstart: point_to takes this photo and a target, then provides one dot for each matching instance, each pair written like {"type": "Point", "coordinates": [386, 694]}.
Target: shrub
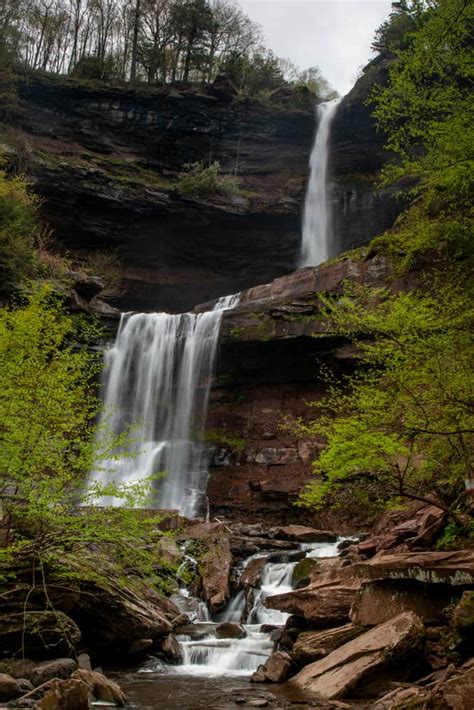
{"type": "Point", "coordinates": [201, 180]}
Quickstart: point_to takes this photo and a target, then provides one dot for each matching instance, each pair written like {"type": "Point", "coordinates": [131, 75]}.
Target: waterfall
{"type": "Point", "coordinates": [317, 222]}
{"type": "Point", "coordinates": [157, 378]}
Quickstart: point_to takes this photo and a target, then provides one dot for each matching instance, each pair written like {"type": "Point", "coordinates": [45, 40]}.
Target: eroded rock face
{"type": "Point", "coordinates": [310, 646]}
{"type": "Point", "coordinates": [344, 670]}
{"type": "Point", "coordinates": [322, 606]}
{"type": "Point", "coordinates": [44, 634]}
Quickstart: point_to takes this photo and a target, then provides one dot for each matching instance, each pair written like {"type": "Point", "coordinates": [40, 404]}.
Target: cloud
{"type": "Point", "coordinates": [332, 34]}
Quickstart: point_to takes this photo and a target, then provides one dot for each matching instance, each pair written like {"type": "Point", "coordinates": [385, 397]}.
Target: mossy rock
{"type": "Point", "coordinates": [38, 634]}
{"type": "Point", "coordinates": [463, 616]}
{"type": "Point", "coordinates": [302, 572]}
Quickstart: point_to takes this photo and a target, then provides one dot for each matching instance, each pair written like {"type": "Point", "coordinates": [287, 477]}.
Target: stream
{"type": "Point", "coordinates": [216, 667]}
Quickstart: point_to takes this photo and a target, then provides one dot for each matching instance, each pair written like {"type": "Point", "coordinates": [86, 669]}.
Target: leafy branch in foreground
{"type": "Point", "coordinates": [404, 422]}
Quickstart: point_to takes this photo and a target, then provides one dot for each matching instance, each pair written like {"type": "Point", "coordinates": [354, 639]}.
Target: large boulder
{"type": "Point", "coordinates": [43, 634]}
{"type": "Point", "coordinates": [310, 646]}
{"type": "Point", "coordinates": [60, 668]}
{"type": "Point", "coordinates": [301, 533]}
{"type": "Point", "coordinates": [215, 566]}
{"type": "Point", "coordinates": [11, 688]}
{"type": "Point", "coordinates": [252, 574]}
{"type": "Point", "coordinates": [275, 670]}
{"type": "Point", "coordinates": [70, 694]}
{"type": "Point", "coordinates": [322, 606]}
{"type": "Point", "coordinates": [453, 568]}
{"type": "Point", "coordinates": [355, 665]}
{"type": "Point", "coordinates": [379, 601]}
{"type": "Point", "coordinates": [100, 687]}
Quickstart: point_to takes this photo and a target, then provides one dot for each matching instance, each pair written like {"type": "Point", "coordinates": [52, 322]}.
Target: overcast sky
{"type": "Point", "coordinates": [332, 34]}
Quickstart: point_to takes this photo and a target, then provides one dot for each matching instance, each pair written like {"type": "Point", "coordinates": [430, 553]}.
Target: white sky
{"type": "Point", "coordinates": [334, 35]}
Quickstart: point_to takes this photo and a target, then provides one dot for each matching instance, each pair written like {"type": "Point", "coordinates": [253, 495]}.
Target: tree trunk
{"type": "Point", "coordinates": [136, 26]}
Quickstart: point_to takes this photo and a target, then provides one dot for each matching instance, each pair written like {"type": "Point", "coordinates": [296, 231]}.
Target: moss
{"type": "Point", "coordinates": [221, 436]}
{"type": "Point", "coordinates": [463, 616]}
{"type": "Point", "coordinates": [302, 571]}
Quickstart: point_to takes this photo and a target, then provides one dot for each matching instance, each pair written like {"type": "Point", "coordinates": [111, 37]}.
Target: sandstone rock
{"type": "Point", "coordinates": [412, 698]}
{"type": "Point", "coordinates": [100, 687]}
{"type": "Point", "coordinates": [88, 286]}
{"type": "Point", "coordinates": [60, 668]}
{"type": "Point", "coordinates": [230, 630]}
{"type": "Point", "coordinates": [171, 649]}
{"type": "Point", "coordinates": [252, 574]}
{"type": "Point", "coordinates": [277, 457]}
{"type": "Point", "coordinates": [181, 620]}
{"type": "Point", "coordinates": [17, 667]}
{"type": "Point", "coordinates": [302, 572]}
{"type": "Point", "coordinates": [215, 566]}
{"type": "Point", "coordinates": [454, 568]}
{"type": "Point", "coordinates": [457, 692]}
{"type": "Point", "coordinates": [196, 631]}
{"type": "Point", "coordinates": [301, 533]}
{"type": "Point", "coordinates": [168, 550]}
{"type": "Point", "coordinates": [347, 669]}
{"type": "Point", "coordinates": [275, 670]}
{"type": "Point", "coordinates": [44, 634]}
{"type": "Point", "coordinates": [379, 601]}
{"type": "Point", "coordinates": [11, 688]}
{"type": "Point", "coordinates": [323, 606]}
{"type": "Point", "coordinates": [431, 524]}
{"type": "Point", "coordinates": [70, 694]}
{"type": "Point", "coordinates": [138, 646]}
{"type": "Point", "coordinates": [312, 645]}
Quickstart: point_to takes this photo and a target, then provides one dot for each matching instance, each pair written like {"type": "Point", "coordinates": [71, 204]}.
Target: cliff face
{"type": "Point", "coordinates": [105, 161]}
{"type": "Point", "coordinates": [273, 348]}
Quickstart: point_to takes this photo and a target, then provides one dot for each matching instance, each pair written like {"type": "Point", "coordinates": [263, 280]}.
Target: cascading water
{"type": "Point", "coordinates": [209, 653]}
{"type": "Point", "coordinates": [157, 379]}
{"type": "Point", "coordinates": [317, 222]}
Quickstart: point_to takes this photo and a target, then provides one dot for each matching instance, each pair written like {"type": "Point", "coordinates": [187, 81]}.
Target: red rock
{"type": "Point", "coordinates": [301, 533]}
{"type": "Point", "coordinates": [252, 574]}
{"type": "Point", "coordinates": [346, 669]}
{"type": "Point", "coordinates": [455, 568]}
{"type": "Point", "coordinates": [275, 670]}
{"type": "Point", "coordinates": [322, 606]}
{"type": "Point", "coordinates": [310, 646]}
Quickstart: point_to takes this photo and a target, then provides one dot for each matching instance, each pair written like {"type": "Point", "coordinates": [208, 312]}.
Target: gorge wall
{"type": "Point", "coordinates": [105, 161]}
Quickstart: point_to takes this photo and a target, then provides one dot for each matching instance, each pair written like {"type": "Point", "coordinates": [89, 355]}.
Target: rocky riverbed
{"type": "Point", "coordinates": [285, 616]}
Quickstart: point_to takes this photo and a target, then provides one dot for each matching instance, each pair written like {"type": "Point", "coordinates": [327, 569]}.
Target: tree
{"type": "Point", "coordinates": [395, 33]}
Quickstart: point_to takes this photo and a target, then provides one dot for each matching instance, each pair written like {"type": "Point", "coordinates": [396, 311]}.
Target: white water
{"type": "Point", "coordinates": [317, 222]}
{"type": "Point", "coordinates": [157, 379]}
{"type": "Point", "coordinates": [211, 656]}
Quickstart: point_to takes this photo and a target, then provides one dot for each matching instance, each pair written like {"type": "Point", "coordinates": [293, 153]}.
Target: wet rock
{"type": "Point", "coordinates": [168, 550]}
{"type": "Point", "coordinates": [196, 631]}
{"type": "Point", "coordinates": [431, 524]}
{"type": "Point", "coordinates": [230, 630]}
{"type": "Point", "coordinates": [70, 694]}
{"type": "Point", "coordinates": [215, 567]}
{"type": "Point", "coordinates": [276, 669]}
{"type": "Point", "coordinates": [44, 633]}
{"type": "Point", "coordinates": [11, 688]}
{"type": "Point", "coordinates": [323, 606]}
{"type": "Point", "coordinates": [138, 646]}
{"type": "Point", "coordinates": [351, 667]}
{"type": "Point", "coordinates": [310, 646]}
{"type": "Point", "coordinates": [60, 668]}
{"type": "Point", "coordinates": [180, 620]}
{"type": "Point", "coordinates": [171, 649]}
{"type": "Point", "coordinates": [302, 572]}
{"type": "Point", "coordinates": [100, 687]}
{"type": "Point", "coordinates": [411, 698]}
{"type": "Point", "coordinates": [88, 286]}
{"type": "Point", "coordinates": [301, 533]}
{"type": "Point", "coordinates": [252, 574]}
{"type": "Point", "coordinates": [379, 601]}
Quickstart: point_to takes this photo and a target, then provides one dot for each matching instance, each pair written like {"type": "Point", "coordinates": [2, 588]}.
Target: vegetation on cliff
{"type": "Point", "coordinates": [405, 426]}
{"type": "Point", "coordinates": [153, 41]}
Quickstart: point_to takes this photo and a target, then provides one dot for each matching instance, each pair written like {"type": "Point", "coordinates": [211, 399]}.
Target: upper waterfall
{"type": "Point", "coordinates": [157, 378]}
{"type": "Point", "coordinates": [317, 219]}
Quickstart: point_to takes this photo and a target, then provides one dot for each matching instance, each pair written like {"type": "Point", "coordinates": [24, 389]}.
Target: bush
{"type": "Point", "coordinates": [19, 226]}
{"type": "Point", "coordinates": [200, 180]}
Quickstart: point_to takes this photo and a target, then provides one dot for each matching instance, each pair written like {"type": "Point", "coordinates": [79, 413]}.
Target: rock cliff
{"type": "Point", "coordinates": [106, 160]}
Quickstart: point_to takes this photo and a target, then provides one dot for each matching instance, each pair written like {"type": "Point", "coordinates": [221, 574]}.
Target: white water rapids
{"type": "Point", "coordinates": [157, 379]}
{"type": "Point", "coordinates": [317, 219]}
{"type": "Point", "coordinates": [206, 654]}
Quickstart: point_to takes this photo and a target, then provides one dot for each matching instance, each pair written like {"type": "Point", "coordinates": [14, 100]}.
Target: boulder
{"type": "Point", "coordinates": [43, 634]}
{"type": "Point", "coordinates": [230, 630]}
{"type": "Point", "coordinates": [431, 524]}
{"type": "Point", "coordinates": [11, 688]}
{"type": "Point", "coordinates": [352, 666]}
{"type": "Point", "coordinates": [275, 670]}
{"type": "Point", "coordinates": [301, 533]}
{"type": "Point", "coordinates": [60, 668]}
{"type": "Point", "coordinates": [312, 645]}
{"type": "Point", "coordinates": [379, 601]}
{"type": "Point", "coordinates": [88, 286]}
{"type": "Point", "coordinates": [454, 568]}
{"type": "Point", "coordinates": [463, 616]}
{"type": "Point", "coordinates": [322, 606]}
{"type": "Point", "coordinates": [223, 88]}
{"type": "Point", "coordinates": [457, 692]}
{"type": "Point", "coordinates": [215, 566]}
{"type": "Point", "coordinates": [100, 687]}
{"type": "Point", "coordinates": [138, 646]}
{"type": "Point", "coordinates": [302, 571]}
{"type": "Point", "coordinates": [171, 649]}
{"type": "Point", "coordinates": [70, 694]}
{"type": "Point", "coordinates": [252, 574]}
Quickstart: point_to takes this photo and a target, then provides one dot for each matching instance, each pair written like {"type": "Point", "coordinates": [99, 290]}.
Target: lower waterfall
{"type": "Point", "coordinates": [156, 383]}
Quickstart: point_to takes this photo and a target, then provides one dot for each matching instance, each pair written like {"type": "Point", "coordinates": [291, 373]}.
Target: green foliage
{"type": "Point", "coordinates": [404, 422]}
{"type": "Point", "coordinates": [396, 33]}
{"type": "Point", "coordinates": [108, 265]}
{"type": "Point", "coordinates": [221, 436]}
{"type": "Point", "coordinates": [19, 224]}
{"type": "Point", "coordinates": [96, 68]}
{"type": "Point", "coordinates": [201, 180]}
